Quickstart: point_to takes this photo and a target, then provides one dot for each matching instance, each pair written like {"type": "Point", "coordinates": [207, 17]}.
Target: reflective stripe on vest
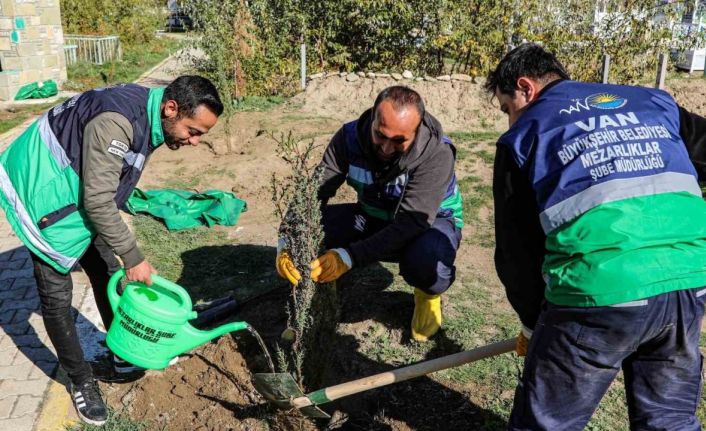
{"type": "Point", "coordinates": [582, 145]}
{"type": "Point", "coordinates": [29, 228]}
{"type": "Point", "coordinates": [49, 139]}
{"type": "Point", "coordinates": [136, 160]}
{"type": "Point", "coordinates": [615, 190]}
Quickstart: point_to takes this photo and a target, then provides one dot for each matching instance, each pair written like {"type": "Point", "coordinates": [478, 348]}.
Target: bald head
{"type": "Point", "coordinates": [394, 129]}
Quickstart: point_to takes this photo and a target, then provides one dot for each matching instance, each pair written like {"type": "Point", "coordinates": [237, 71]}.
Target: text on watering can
{"type": "Point", "coordinates": [139, 330]}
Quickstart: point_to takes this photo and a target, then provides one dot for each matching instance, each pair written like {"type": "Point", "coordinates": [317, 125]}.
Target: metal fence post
{"type": "Point", "coordinates": [605, 69]}
{"type": "Point", "coordinates": [661, 71]}
{"type": "Point", "coordinates": [303, 65]}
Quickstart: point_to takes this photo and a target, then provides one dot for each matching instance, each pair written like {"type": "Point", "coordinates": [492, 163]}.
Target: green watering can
{"type": "Point", "coordinates": [151, 325]}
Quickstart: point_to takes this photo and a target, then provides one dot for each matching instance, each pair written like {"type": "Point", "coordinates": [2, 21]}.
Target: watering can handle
{"type": "Point", "coordinates": [114, 298]}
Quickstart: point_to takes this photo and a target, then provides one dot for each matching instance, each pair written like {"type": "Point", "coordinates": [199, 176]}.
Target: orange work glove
{"type": "Point", "coordinates": [331, 265]}
{"type": "Point", "coordinates": [285, 264]}
{"type": "Point", "coordinates": [523, 341]}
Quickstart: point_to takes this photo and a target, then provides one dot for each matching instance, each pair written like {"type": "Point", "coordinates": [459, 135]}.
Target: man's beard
{"type": "Point", "coordinates": [169, 139]}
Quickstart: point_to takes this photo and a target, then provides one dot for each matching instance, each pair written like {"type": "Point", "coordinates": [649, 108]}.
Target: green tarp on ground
{"type": "Point", "coordinates": [37, 90]}
{"type": "Point", "coordinates": [180, 209]}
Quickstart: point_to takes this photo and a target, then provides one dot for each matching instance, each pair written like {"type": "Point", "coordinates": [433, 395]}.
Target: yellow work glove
{"type": "Point", "coordinates": [523, 341]}
{"type": "Point", "coordinates": [285, 265]}
{"type": "Point", "coordinates": [331, 265]}
{"type": "Point", "coordinates": [427, 318]}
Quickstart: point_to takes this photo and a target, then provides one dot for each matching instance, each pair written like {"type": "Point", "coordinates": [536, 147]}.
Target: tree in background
{"type": "Point", "coordinates": [135, 21]}
{"type": "Point", "coordinates": [632, 32]}
{"type": "Point", "coordinates": [431, 36]}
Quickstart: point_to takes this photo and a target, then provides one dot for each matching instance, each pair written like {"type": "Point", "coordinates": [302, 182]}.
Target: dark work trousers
{"type": "Point", "coordinates": [575, 353]}
{"type": "Point", "coordinates": [55, 293]}
{"type": "Point", "coordinates": [426, 263]}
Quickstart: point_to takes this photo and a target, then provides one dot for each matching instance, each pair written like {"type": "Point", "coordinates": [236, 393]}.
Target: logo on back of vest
{"type": "Point", "coordinates": [598, 101]}
{"type": "Point", "coordinates": [606, 101]}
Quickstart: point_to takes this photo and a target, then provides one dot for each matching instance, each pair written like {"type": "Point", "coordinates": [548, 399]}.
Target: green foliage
{"type": "Point", "coordinates": [632, 32]}
{"type": "Point", "coordinates": [135, 21]}
{"type": "Point", "coordinates": [477, 33]}
{"type": "Point", "coordinates": [253, 47]}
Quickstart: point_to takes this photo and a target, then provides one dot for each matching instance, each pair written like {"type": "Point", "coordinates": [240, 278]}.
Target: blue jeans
{"type": "Point", "coordinates": [426, 263]}
{"type": "Point", "coordinates": [575, 353]}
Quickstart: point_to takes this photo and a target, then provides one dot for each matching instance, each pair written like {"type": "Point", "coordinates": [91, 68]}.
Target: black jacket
{"type": "Point", "coordinates": [429, 164]}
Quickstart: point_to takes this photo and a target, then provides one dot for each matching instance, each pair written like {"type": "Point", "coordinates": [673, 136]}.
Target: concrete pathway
{"type": "Point", "coordinates": [32, 385]}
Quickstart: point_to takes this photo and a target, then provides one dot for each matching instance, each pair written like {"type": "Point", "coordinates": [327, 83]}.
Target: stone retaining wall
{"type": "Point", "coordinates": [31, 44]}
{"type": "Point", "coordinates": [404, 76]}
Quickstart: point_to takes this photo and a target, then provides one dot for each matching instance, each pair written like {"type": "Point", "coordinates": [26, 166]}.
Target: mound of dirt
{"type": "Point", "coordinates": [459, 105]}
{"type": "Point", "coordinates": [210, 391]}
{"type": "Point", "coordinates": [690, 94]}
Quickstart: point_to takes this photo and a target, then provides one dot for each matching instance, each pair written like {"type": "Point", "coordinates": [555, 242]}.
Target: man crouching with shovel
{"type": "Point", "coordinates": [401, 165]}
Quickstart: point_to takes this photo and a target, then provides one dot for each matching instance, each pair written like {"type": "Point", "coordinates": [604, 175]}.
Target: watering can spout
{"type": "Point", "coordinates": [195, 337]}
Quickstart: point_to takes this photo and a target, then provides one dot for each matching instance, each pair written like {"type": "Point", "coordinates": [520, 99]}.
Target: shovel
{"type": "Point", "coordinates": [282, 390]}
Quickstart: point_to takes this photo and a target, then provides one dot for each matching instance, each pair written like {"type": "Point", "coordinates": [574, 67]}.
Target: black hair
{"type": "Point", "coordinates": [190, 92]}
{"type": "Point", "coordinates": [401, 97]}
{"type": "Point", "coordinates": [530, 60]}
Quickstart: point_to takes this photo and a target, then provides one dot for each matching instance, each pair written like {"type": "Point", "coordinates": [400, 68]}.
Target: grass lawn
{"type": "Point", "coordinates": [116, 422]}
{"type": "Point", "coordinates": [84, 76]}
{"type": "Point", "coordinates": [15, 117]}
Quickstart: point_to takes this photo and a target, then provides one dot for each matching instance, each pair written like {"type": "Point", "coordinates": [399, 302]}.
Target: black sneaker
{"type": "Point", "coordinates": [89, 403]}
{"type": "Point", "coordinates": [122, 366]}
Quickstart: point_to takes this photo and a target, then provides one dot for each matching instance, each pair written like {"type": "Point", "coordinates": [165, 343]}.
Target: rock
{"type": "Point", "coordinates": [444, 78]}
{"type": "Point", "coordinates": [407, 74]}
{"type": "Point", "coordinates": [429, 78]}
{"type": "Point", "coordinates": [396, 76]}
{"type": "Point", "coordinates": [361, 74]}
{"type": "Point", "coordinates": [480, 80]}
{"type": "Point", "coordinates": [371, 75]}
{"type": "Point", "coordinates": [382, 75]}
{"type": "Point", "coordinates": [351, 77]}
{"type": "Point", "coordinates": [419, 78]}
{"type": "Point", "coordinates": [316, 76]}
{"type": "Point", "coordinates": [343, 74]}
{"type": "Point", "coordinates": [461, 77]}
{"type": "Point", "coordinates": [330, 74]}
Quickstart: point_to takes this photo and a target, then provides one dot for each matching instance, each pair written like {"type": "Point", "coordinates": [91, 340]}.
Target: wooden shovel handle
{"type": "Point", "coordinates": [401, 374]}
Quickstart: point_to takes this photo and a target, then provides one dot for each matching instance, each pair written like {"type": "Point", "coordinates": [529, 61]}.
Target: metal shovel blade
{"type": "Point", "coordinates": [280, 389]}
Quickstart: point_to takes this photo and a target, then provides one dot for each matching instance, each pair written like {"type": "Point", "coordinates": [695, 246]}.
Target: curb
{"type": "Point", "coordinates": [151, 71]}
{"type": "Point", "coordinates": [56, 412]}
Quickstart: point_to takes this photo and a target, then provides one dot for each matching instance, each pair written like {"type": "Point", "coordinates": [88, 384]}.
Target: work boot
{"type": "Point", "coordinates": [426, 319]}
{"type": "Point", "coordinates": [89, 403]}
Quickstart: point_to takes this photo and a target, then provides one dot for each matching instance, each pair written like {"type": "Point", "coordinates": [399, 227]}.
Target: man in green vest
{"type": "Point", "coordinates": [62, 183]}
{"type": "Point", "coordinates": [409, 210]}
{"type": "Point", "coordinates": [600, 243]}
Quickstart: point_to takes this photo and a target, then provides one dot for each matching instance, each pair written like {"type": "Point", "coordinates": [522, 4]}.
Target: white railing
{"type": "Point", "coordinates": [70, 54]}
{"type": "Point", "coordinates": [95, 49]}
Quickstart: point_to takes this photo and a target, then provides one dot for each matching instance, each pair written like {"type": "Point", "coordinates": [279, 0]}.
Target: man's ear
{"type": "Point", "coordinates": [170, 109]}
{"type": "Point", "coordinates": [528, 88]}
